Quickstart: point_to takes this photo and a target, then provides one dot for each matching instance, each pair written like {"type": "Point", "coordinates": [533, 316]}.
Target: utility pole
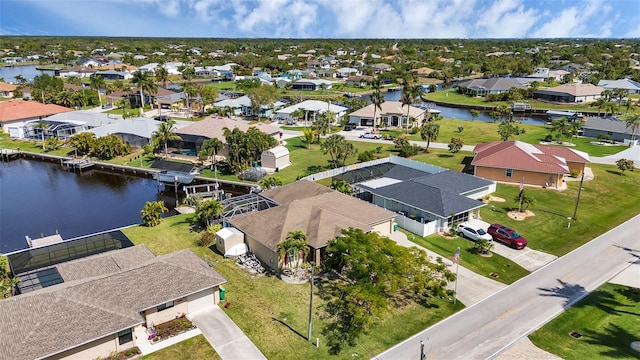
{"type": "Point", "coordinates": [575, 211]}
{"type": "Point", "coordinates": [311, 304]}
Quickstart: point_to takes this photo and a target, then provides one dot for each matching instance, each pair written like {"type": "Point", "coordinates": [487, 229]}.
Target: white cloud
{"type": "Point", "coordinates": [506, 19]}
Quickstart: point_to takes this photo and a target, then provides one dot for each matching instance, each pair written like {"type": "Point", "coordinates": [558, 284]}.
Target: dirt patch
{"type": "Point", "coordinates": [496, 199]}
{"type": "Point", "coordinates": [519, 216]}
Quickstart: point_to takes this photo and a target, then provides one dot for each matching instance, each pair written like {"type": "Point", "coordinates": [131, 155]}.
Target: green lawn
{"type": "Point", "coordinates": [508, 271]}
{"type": "Point", "coordinates": [608, 320]}
{"type": "Point", "coordinates": [196, 348]}
{"type": "Point", "coordinates": [605, 202]}
{"type": "Point", "coordinates": [451, 96]}
{"type": "Point", "coordinates": [274, 314]}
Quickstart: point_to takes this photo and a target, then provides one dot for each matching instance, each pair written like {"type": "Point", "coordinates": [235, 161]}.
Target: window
{"type": "Point", "coordinates": [125, 336]}
{"type": "Point", "coordinates": [165, 306]}
{"type": "Point", "coordinates": [508, 172]}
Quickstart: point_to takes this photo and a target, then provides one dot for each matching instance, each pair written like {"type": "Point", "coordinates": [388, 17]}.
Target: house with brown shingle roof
{"type": "Point", "coordinates": [570, 93]}
{"type": "Point", "coordinates": [537, 165]}
{"type": "Point", "coordinates": [318, 211]}
{"type": "Point", "coordinates": [14, 114]}
{"type": "Point", "coordinates": [103, 301]}
{"type": "Point", "coordinates": [391, 113]}
{"type": "Point", "coordinates": [6, 90]}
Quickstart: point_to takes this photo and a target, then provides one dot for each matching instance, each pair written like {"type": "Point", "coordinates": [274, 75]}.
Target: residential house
{"type": "Point", "coordinates": [77, 71]}
{"type": "Point", "coordinates": [319, 212]}
{"type": "Point", "coordinates": [314, 64]}
{"type": "Point", "coordinates": [425, 198]}
{"type": "Point", "coordinates": [483, 87]}
{"type": "Point", "coordinates": [312, 109]}
{"type": "Point", "coordinates": [345, 72]}
{"type": "Point", "coordinates": [537, 165]}
{"type": "Point", "coordinates": [570, 93]}
{"type": "Point", "coordinates": [16, 113]}
{"type": "Point", "coordinates": [632, 87]}
{"type": "Point", "coordinates": [380, 67]}
{"type": "Point", "coordinates": [617, 129]}
{"type": "Point", "coordinates": [391, 113]}
{"type": "Point", "coordinates": [423, 71]}
{"type": "Point", "coordinates": [243, 106]}
{"type": "Point", "coordinates": [114, 75]}
{"type": "Point", "coordinates": [546, 74]}
{"type": "Point", "coordinates": [100, 304]}
{"type": "Point", "coordinates": [194, 134]}
{"type": "Point", "coordinates": [311, 84]}
{"type": "Point", "coordinates": [359, 80]}
{"type": "Point", "coordinates": [6, 90]}
{"type": "Point", "coordinates": [136, 132]}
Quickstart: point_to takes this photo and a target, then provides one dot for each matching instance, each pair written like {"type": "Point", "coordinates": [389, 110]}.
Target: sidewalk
{"type": "Point", "coordinates": [225, 336]}
{"type": "Point", "coordinates": [472, 288]}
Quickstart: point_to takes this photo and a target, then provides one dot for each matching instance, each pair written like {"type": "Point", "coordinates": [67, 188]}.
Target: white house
{"type": "Point", "coordinates": [312, 109]}
{"type": "Point", "coordinates": [632, 87]}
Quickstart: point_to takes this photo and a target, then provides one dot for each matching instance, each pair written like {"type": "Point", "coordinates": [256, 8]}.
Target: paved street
{"type": "Point", "coordinates": [487, 328]}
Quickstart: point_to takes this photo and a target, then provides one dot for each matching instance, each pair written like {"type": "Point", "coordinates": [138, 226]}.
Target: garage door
{"type": "Point", "coordinates": [202, 300]}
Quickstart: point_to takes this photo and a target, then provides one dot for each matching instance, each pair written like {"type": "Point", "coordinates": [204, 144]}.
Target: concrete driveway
{"type": "Point", "coordinates": [529, 259]}
{"type": "Point", "coordinates": [225, 336]}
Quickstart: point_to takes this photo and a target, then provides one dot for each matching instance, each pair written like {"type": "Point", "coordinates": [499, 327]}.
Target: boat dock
{"type": "Point", "coordinates": [204, 191]}
{"type": "Point", "coordinates": [9, 154]}
{"type": "Point", "coordinates": [79, 164]}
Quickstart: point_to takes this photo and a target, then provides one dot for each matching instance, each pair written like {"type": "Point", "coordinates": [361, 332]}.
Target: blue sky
{"type": "Point", "coordinates": [324, 18]}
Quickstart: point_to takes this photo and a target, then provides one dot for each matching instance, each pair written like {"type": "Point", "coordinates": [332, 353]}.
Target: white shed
{"type": "Point", "coordinates": [227, 238]}
{"type": "Point", "coordinates": [276, 158]}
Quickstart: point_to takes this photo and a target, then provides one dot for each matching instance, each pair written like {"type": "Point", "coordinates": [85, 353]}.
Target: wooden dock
{"type": "Point", "coordinates": [80, 164]}
{"type": "Point", "coordinates": [9, 154]}
{"type": "Point", "coordinates": [204, 191]}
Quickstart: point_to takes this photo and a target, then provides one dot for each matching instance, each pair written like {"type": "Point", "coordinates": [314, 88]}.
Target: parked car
{"type": "Point", "coordinates": [507, 236]}
{"type": "Point", "coordinates": [473, 232]}
{"type": "Point", "coordinates": [107, 106]}
{"type": "Point", "coordinates": [349, 126]}
{"type": "Point", "coordinates": [369, 135]}
{"type": "Point", "coordinates": [162, 118]}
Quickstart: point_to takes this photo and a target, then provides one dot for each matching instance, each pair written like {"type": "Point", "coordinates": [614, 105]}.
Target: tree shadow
{"type": "Point", "coordinates": [615, 172]}
{"type": "Point", "coordinates": [616, 339]}
{"type": "Point", "coordinates": [466, 161]}
{"type": "Point", "coordinates": [445, 155]}
{"type": "Point", "coordinates": [567, 291]}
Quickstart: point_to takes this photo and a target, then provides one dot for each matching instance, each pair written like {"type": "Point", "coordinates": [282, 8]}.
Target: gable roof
{"type": "Point", "coordinates": [453, 181]}
{"type": "Point", "coordinates": [523, 156]}
{"type": "Point", "coordinates": [320, 213]}
{"type": "Point", "coordinates": [493, 84]}
{"type": "Point", "coordinates": [609, 124]}
{"type": "Point", "coordinates": [573, 90]}
{"type": "Point", "coordinates": [388, 108]}
{"type": "Point", "coordinates": [19, 109]}
{"type": "Point", "coordinates": [7, 87]}
{"type": "Point", "coordinates": [626, 84]}
{"type": "Point", "coordinates": [213, 127]}
{"type": "Point", "coordinates": [313, 105]}
{"type": "Point", "coordinates": [415, 193]}
{"type": "Point", "coordinates": [65, 316]}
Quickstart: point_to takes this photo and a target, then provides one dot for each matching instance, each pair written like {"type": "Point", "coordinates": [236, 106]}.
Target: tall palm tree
{"type": "Point", "coordinates": [162, 76]}
{"type": "Point", "coordinates": [600, 103]}
{"type": "Point", "coordinates": [633, 122]}
{"type": "Point", "coordinates": [376, 98]}
{"type": "Point", "coordinates": [144, 83]}
{"type": "Point", "coordinates": [42, 125]}
{"type": "Point", "coordinates": [429, 131]}
{"type": "Point", "coordinates": [165, 133]}
{"type": "Point", "coordinates": [409, 94]}
{"type": "Point", "coordinates": [97, 83]}
{"type": "Point", "coordinates": [293, 248]}
{"type": "Point", "coordinates": [606, 94]}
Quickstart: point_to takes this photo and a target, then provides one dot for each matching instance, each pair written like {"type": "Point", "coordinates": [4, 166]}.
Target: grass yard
{"type": "Point", "coordinates": [508, 271]}
{"type": "Point", "coordinates": [196, 348]}
{"type": "Point", "coordinates": [274, 314]}
{"type": "Point", "coordinates": [608, 320]}
{"type": "Point", "coordinates": [305, 161]}
{"type": "Point", "coordinates": [605, 202]}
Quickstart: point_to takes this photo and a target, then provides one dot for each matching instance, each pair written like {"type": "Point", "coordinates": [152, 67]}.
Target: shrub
{"type": "Point", "coordinates": [366, 156]}
{"type": "Point", "coordinates": [574, 173]}
{"type": "Point", "coordinates": [206, 238]}
{"type": "Point", "coordinates": [378, 149]}
{"type": "Point", "coordinates": [414, 130]}
{"type": "Point", "coordinates": [548, 138]}
{"type": "Point", "coordinates": [460, 128]}
{"type": "Point", "coordinates": [409, 150]}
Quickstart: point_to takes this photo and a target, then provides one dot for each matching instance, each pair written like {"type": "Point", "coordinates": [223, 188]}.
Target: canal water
{"type": "Point", "coordinates": [39, 198]}
{"type": "Point", "coordinates": [9, 73]}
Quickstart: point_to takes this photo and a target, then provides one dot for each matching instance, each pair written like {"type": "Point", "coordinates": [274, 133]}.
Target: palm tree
{"type": "Point", "coordinates": [210, 148]}
{"type": "Point", "coordinates": [376, 98]}
{"type": "Point", "coordinates": [270, 182]}
{"type": "Point", "coordinates": [561, 127]}
{"type": "Point", "coordinates": [308, 135]}
{"type": "Point", "coordinates": [406, 99]}
{"type": "Point", "coordinates": [144, 83]}
{"type": "Point", "coordinates": [619, 94]}
{"type": "Point", "coordinates": [97, 83]}
{"type": "Point", "coordinates": [162, 76]}
{"type": "Point", "coordinates": [429, 131]}
{"type": "Point", "coordinates": [208, 211]}
{"type": "Point", "coordinates": [627, 105]}
{"type": "Point", "coordinates": [64, 98]}
{"type": "Point", "coordinates": [152, 213]}
{"type": "Point", "coordinates": [293, 248]}
{"type": "Point", "coordinates": [600, 103]}
{"type": "Point", "coordinates": [606, 94]}
{"type": "Point", "coordinates": [633, 122]}
{"type": "Point", "coordinates": [42, 126]}
{"type": "Point", "coordinates": [165, 133]}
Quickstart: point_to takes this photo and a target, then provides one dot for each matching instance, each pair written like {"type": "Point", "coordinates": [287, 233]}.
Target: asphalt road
{"type": "Point", "coordinates": [483, 330]}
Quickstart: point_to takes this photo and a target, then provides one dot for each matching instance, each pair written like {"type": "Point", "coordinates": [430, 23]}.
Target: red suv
{"type": "Point", "coordinates": [507, 236]}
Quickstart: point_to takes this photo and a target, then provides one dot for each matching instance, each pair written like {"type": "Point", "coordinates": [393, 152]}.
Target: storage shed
{"type": "Point", "coordinates": [227, 238]}
{"type": "Point", "coordinates": [275, 158]}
